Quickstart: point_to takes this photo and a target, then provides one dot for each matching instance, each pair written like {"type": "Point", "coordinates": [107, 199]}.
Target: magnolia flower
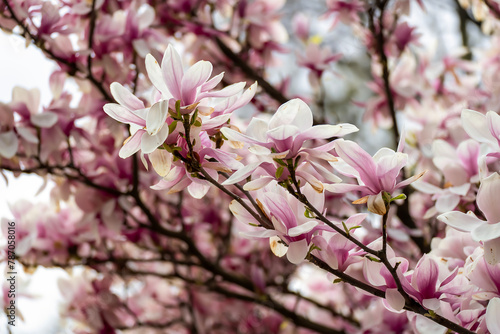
{"type": "Point", "coordinates": [289, 222]}
{"type": "Point", "coordinates": [286, 132]}
{"type": "Point", "coordinates": [187, 87]}
{"type": "Point", "coordinates": [374, 174]}
{"type": "Point", "coordinates": [284, 135]}
{"type": "Point", "coordinates": [150, 131]}
{"type": "Point", "coordinates": [486, 231]}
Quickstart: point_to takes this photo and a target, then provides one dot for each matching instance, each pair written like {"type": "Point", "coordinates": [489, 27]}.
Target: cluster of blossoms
{"type": "Point", "coordinates": [246, 168]}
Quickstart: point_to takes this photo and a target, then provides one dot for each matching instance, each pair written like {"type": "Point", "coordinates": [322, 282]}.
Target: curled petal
{"type": "Point", "coordinates": [157, 117]}
{"type": "Point", "coordinates": [156, 77]}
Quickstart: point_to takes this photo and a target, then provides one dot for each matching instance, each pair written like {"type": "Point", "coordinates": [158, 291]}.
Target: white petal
{"type": "Point", "coordinates": [277, 246]}
{"type": "Point", "coordinates": [302, 228]}
{"type": "Point", "coordinates": [447, 202]}
{"type": "Point", "coordinates": [156, 76]}
{"type": "Point", "coordinates": [156, 117]}
{"type": "Point", "coordinates": [44, 120]}
{"type": "Point", "coordinates": [492, 251]}
{"type": "Point", "coordinates": [492, 316]}
{"type": "Point", "coordinates": [258, 183]}
{"type": "Point", "coordinates": [297, 251]}
{"type": "Point", "coordinates": [259, 234]}
{"type": "Point", "coordinates": [161, 161]}
{"type": "Point", "coordinates": [395, 299]}
{"type": "Point", "coordinates": [294, 112]}
{"type": "Point", "coordinates": [476, 126]}
{"type": "Point", "coordinates": [27, 134]}
{"type": "Point", "coordinates": [486, 232]}
{"type": "Point", "coordinates": [242, 173]}
{"type": "Point", "coordinates": [461, 221]}
{"type": "Point", "coordinates": [8, 144]}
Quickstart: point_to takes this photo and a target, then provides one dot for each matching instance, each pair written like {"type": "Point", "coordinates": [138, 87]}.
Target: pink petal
{"type": "Point", "coordinates": [238, 136]}
{"type": "Point", "coordinates": [132, 145]}
{"type": "Point", "coordinates": [122, 114]}
{"type": "Point", "coordinates": [194, 77]}
{"type": "Point", "coordinates": [125, 98]}
{"type": "Point", "coordinates": [226, 92]}
{"type": "Point", "coordinates": [172, 71]}
{"type": "Point", "coordinates": [212, 83]}
{"type": "Point", "coordinates": [198, 188]}
{"type": "Point", "coordinates": [494, 124]}
{"type": "Point", "coordinates": [356, 157]}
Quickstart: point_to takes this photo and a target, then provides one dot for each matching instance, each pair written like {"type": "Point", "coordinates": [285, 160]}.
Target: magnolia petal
{"type": "Point", "coordinates": [297, 251]}
{"type": "Point", "coordinates": [161, 161]}
{"type": "Point", "coordinates": [260, 234]}
{"type": "Point", "coordinates": [314, 182]}
{"type": "Point", "coordinates": [475, 124]}
{"type": "Point", "coordinates": [226, 92]}
{"type": "Point", "coordinates": [246, 97]}
{"type": "Point", "coordinates": [150, 143]}
{"type": "Point", "coordinates": [8, 144]}
{"type": "Point", "coordinates": [238, 136]}
{"type": "Point", "coordinates": [283, 132]}
{"type": "Point", "coordinates": [212, 83]}
{"type": "Point", "coordinates": [461, 221]}
{"type": "Point", "coordinates": [194, 77]}
{"type": "Point", "coordinates": [172, 71]}
{"type": "Point", "coordinates": [122, 114]}
{"type": "Point", "coordinates": [485, 232]}
{"type": "Point", "coordinates": [44, 120]}
{"type": "Point", "coordinates": [487, 198]}
{"type": "Point", "coordinates": [492, 318]}
{"type": "Point", "coordinates": [125, 98]}
{"type": "Point", "coordinates": [492, 251]}
{"type": "Point", "coordinates": [198, 189]}
{"type": "Point", "coordinates": [257, 129]}
{"type": "Point", "coordinates": [157, 117]}
{"type": "Point", "coordinates": [156, 76]}
{"type": "Point", "coordinates": [241, 174]}
{"type": "Point", "coordinates": [241, 214]}
{"type": "Point", "coordinates": [358, 158]}
{"type": "Point", "coordinates": [325, 131]}
{"type": "Point", "coordinates": [258, 183]}
{"type": "Point", "coordinates": [302, 228]}
{"type": "Point", "coordinates": [376, 204]}
{"type": "Point", "coordinates": [395, 299]}
{"type": "Point", "coordinates": [494, 124]}
{"type": "Point", "coordinates": [27, 134]}
{"type": "Point", "coordinates": [447, 202]}
{"type": "Point", "coordinates": [131, 145]}
{"type": "Point", "coordinates": [294, 112]}
{"type": "Point", "coordinates": [277, 247]}
{"type": "Point", "coordinates": [341, 188]}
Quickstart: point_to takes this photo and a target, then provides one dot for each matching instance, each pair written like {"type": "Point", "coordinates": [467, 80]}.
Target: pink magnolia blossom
{"type": "Point", "coordinates": [374, 174]}
{"type": "Point", "coordinates": [289, 222]}
{"type": "Point", "coordinates": [188, 87]}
